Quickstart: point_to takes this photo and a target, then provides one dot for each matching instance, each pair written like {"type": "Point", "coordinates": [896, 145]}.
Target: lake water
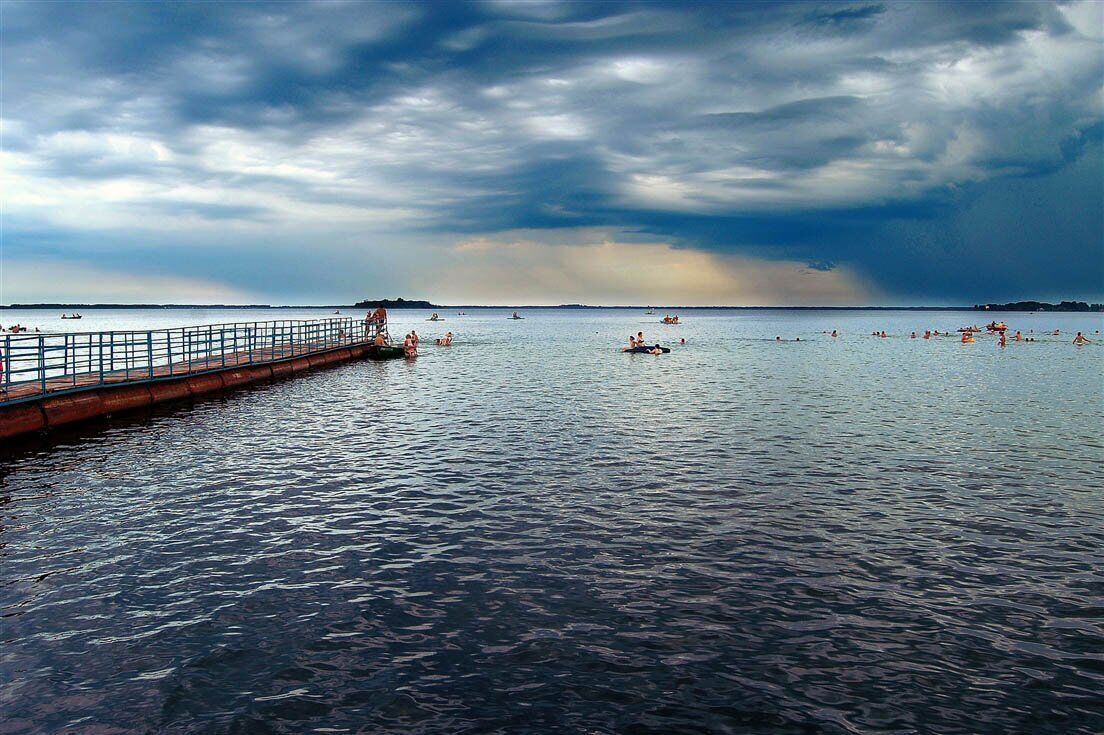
{"type": "Point", "coordinates": [532, 532]}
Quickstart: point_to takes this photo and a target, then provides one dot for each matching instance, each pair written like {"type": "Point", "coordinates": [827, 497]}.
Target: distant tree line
{"type": "Point", "coordinates": [1040, 306]}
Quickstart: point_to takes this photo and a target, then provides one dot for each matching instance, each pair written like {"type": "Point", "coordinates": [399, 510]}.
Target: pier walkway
{"type": "Point", "coordinates": [45, 368]}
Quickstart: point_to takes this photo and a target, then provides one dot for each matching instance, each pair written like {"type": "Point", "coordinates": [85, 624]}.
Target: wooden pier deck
{"type": "Point", "coordinates": [42, 383]}
{"type": "Point", "coordinates": [77, 381]}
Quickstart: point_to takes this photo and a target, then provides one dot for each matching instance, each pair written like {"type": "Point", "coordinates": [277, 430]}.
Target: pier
{"type": "Point", "coordinates": [49, 380]}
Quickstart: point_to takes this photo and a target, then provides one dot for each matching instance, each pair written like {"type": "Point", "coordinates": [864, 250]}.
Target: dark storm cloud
{"type": "Point", "coordinates": [865, 135]}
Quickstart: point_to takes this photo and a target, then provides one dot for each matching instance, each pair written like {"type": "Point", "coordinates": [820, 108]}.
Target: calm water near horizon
{"type": "Point", "coordinates": [532, 532]}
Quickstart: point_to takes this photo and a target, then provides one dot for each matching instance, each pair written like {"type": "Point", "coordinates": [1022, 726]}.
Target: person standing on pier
{"type": "Point", "coordinates": [379, 316]}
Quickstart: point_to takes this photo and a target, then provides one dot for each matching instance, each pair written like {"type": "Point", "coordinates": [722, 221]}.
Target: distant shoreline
{"type": "Point", "coordinates": [1064, 307]}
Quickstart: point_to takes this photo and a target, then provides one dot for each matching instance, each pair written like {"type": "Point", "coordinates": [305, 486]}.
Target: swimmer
{"type": "Point", "coordinates": [682, 341]}
{"type": "Point", "coordinates": [835, 333]}
{"type": "Point", "coordinates": [1080, 339]}
{"type": "Point", "coordinates": [657, 350]}
{"type": "Point", "coordinates": [777, 339]}
{"type": "Point", "coordinates": [632, 344]}
{"type": "Point", "coordinates": [968, 338]}
{"type": "Point", "coordinates": [1017, 337]}
{"type": "Point", "coordinates": [927, 334]}
{"type": "Point", "coordinates": [640, 339]}
{"type": "Point", "coordinates": [1003, 341]}
{"type": "Point", "coordinates": [883, 334]}
{"type": "Point", "coordinates": [379, 341]}
{"type": "Point", "coordinates": [912, 336]}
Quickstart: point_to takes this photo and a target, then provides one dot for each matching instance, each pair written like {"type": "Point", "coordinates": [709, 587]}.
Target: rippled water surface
{"type": "Point", "coordinates": [531, 532]}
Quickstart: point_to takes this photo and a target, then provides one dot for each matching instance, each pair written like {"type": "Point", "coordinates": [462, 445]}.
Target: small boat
{"type": "Point", "coordinates": [74, 316]}
{"type": "Point", "coordinates": [385, 352]}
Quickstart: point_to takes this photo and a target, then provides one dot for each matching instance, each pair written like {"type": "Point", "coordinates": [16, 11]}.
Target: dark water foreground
{"type": "Point", "coordinates": [739, 537]}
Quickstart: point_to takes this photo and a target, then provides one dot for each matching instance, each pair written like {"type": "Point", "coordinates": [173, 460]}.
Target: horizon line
{"type": "Point", "coordinates": [942, 307]}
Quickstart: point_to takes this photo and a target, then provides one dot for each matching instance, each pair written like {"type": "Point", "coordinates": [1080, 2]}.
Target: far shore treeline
{"type": "Point", "coordinates": [400, 303]}
{"type": "Point", "coordinates": [1040, 306]}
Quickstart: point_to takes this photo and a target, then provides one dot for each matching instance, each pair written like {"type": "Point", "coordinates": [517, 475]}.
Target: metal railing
{"type": "Point", "coordinates": [35, 364]}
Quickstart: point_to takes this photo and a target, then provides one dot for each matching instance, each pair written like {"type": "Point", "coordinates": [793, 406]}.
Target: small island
{"type": "Point", "coordinates": [1040, 306]}
{"type": "Point", "coordinates": [399, 303]}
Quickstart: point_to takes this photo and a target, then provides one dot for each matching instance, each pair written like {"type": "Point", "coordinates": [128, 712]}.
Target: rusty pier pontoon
{"type": "Point", "coordinates": [49, 380]}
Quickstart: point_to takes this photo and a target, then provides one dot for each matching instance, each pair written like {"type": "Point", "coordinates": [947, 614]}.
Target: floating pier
{"type": "Point", "coordinates": [49, 380]}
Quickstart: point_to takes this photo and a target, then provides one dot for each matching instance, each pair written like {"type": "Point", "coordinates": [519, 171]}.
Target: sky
{"type": "Point", "coordinates": [552, 152]}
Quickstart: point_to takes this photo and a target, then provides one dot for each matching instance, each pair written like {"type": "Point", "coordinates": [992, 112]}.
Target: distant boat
{"type": "Point", "coordinates": [74, 316]}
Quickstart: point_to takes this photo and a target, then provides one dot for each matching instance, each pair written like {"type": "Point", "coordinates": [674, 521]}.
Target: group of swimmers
{"type": "Point", "coordinates": [968, 334]}
{"type": "Point", "coordinates": [17, 328]}
{"type": "Point", "coordinates": [668, 319]}
{"type": "Point", "coordinates": [637, 344]}
{"type": "Point", "coordinates": [999, 329]}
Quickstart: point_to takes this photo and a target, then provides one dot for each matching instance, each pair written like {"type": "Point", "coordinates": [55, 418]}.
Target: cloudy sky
{"type": "Point", "coordinates": [547, 152]}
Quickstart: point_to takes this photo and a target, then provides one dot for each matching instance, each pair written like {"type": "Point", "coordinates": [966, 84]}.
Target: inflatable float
{"type": "Point", "coordinates": [646, 350]}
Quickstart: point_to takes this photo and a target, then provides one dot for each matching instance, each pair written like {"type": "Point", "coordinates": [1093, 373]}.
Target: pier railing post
{"type": "Point", "coordinates": [149, 352]}
{"type": "Point", "coordinates": [42, 362]}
